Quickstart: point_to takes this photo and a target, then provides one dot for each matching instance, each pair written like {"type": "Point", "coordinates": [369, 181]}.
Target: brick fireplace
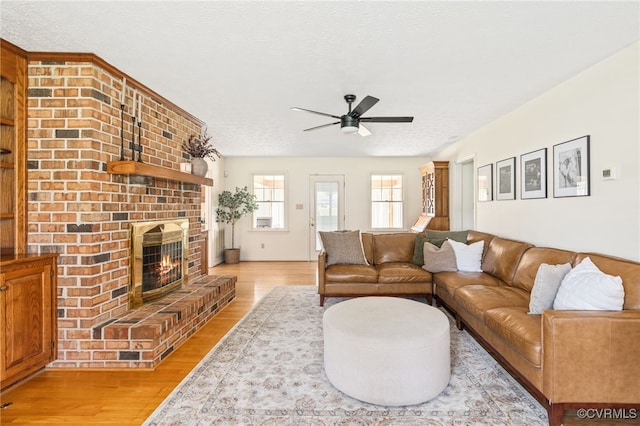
{"type": "Point", "coordinates": [81, 211]}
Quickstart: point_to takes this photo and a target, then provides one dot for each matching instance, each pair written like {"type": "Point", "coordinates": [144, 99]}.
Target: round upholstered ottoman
{"type": "Point", "coordinates": [387, 350]}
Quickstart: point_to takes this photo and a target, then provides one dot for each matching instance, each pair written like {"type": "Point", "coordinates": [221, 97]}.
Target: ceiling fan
{"type": "Point", "coordinates": [351, 122]}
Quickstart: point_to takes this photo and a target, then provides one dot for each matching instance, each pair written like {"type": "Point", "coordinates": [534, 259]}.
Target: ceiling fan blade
{"type": "Point", "coordinates": [319, 127]}
{"type": "Point", "coordinates": [387, 119]}
{"type": "Point", "coordinates": [364, 106]}
{"type": "Point", "coordinates": [363, 131]}
{"type": "Point", "coordinates": [315, 112]}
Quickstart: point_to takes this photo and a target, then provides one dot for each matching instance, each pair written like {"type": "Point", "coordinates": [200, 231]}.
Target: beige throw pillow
{"type": "Point", "coordinates": [546, 286]}
{"type": "Point", "coordinates": [439, 259]}
{"type": "Point", "coordinates": [343, 247]}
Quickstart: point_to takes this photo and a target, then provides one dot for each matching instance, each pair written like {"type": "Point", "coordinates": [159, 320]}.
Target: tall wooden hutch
{"type": "Point", "coordinates": [28, 331]}
{"type": "Point", "coordinates": [435, 194]}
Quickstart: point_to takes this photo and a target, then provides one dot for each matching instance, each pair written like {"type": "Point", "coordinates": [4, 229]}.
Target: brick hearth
{"type": "Point", "coordinates": [145, 336]}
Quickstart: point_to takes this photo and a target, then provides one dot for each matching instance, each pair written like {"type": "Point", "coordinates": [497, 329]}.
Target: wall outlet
{"type": "Point", "coordinates": [261, 245]}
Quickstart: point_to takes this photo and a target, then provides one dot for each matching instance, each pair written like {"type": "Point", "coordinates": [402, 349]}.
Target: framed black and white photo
{"type": "Point", "coordinates": [533, 174]}
{"type": "Point", "coordinates": [571, 168]}
{"type": "Point", "coordinates": [485, 183]}
{"type": "Point", "coordinates": [506, 173]}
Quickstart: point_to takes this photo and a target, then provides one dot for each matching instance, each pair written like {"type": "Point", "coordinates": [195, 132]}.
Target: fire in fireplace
{"type": "Point", "coordinates": [158, 259]}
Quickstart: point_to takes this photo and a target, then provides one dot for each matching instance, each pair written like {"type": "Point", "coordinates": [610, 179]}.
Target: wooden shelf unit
{"type": "Point", "coordinates": [143, 169]}
{"type": "Point", "coordinates": [435, 194]}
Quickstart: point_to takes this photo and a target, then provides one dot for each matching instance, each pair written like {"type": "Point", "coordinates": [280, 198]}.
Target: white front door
{"type": "Point", "coordinates": [326, 208]}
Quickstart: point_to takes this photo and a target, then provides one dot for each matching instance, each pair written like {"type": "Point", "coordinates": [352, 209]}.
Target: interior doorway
{"type": "Point", "coordinates": [326, 208]}
{"type": "Point", "coordinates": [467, 194]}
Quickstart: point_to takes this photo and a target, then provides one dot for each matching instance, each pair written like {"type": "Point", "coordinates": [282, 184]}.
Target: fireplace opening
{"type": "Point", "coordinates": [159, 259]}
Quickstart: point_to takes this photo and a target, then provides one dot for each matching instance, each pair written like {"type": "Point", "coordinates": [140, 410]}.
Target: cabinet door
{"type": "Point", "coordinates": [13, 172]}
{"type": "Point", "coordinates": [26, 326]}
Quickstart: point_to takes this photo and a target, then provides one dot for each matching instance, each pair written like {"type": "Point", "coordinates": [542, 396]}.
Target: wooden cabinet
{"type": "Point", "coordinates": [13, 158]}
{"type": "Point", "coordinates": [28, 323]}
{"type": "Point", "coordinates": [435, 194]}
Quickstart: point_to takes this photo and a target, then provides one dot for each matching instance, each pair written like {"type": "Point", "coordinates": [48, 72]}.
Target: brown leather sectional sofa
{"type": "Point", "coordinates": [566, 359]}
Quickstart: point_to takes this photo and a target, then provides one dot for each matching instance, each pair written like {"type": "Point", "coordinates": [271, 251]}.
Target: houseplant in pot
{"type": "Point", "coordinates": [231, 208]}
{"type": "Point", "coordinates": [199, 147]}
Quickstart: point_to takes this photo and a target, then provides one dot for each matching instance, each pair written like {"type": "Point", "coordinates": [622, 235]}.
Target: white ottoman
{"type": "Point", "coordinates": [387, 350]}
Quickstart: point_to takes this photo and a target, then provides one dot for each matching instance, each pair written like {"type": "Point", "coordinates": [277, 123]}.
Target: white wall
{"type": "Point", "coordinates": [293, 244]}
{"type": "Point", "coordinates": [603, 102]}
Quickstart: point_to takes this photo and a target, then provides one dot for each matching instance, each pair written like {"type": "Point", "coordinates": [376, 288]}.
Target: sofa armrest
{"type": "Point", "coordinates": [322, 265]}
{"type": "Point", "coordinates": [591, 356]}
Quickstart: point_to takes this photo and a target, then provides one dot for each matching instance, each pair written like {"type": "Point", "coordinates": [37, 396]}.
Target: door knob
{"type": "Point", "coordinates": [3, 288]}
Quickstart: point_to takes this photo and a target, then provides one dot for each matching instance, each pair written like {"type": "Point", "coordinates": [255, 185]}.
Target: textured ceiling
{"type": "Point", "coordinates": [239, 66]}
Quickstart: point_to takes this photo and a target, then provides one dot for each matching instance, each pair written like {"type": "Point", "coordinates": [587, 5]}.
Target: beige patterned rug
{"type": "Point", "coordinates": [268, 370]}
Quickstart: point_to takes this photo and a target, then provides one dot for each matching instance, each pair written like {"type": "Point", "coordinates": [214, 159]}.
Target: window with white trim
{"type": "Point", "coordinates": [386, 201]}
{"type": "Point", "coordinates": [270, 195]}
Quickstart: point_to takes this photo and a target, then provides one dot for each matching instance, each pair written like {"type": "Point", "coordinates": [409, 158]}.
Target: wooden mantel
{"type": "Point", "coordinates": [144, 169]}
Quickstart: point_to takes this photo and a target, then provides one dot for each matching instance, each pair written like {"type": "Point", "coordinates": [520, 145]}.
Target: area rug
{"type": "Point", "coordinates": [268, 370]}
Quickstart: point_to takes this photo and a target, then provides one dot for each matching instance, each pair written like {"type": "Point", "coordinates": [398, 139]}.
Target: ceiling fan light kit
{"type": "Point", "coordinates": [350, 122]}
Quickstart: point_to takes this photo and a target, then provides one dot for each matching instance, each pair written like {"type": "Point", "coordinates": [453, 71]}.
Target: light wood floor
{"type": "Point", "coordinates": [59, 396]}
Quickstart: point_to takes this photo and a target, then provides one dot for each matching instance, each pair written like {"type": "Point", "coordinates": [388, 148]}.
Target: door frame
{"type": "Point", "coordinates": [311, 223]}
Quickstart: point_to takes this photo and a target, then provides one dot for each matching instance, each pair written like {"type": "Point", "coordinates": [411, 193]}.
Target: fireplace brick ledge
{"type": "Point", "coordinates": [143, 337]}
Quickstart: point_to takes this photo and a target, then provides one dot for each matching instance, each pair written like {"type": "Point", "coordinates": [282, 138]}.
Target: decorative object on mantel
{"type": "Point", "coordinates": [122, 105]}
{"type": "Point", "coordinates": [199, 148]}
{"type": "Point", "coordinates": [231, 208]}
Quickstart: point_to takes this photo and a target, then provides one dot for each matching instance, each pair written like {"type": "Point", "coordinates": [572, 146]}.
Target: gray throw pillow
{"type": "Point", "coordinates": [343, 247]}
{"type": "Point", "coordinates": [545, 286]}
{"type": "Point", "coordinates": [439, 259]}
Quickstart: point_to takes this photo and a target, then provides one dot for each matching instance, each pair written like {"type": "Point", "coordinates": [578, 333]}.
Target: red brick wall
{"type": "Point", "coordinates": [83, 213]}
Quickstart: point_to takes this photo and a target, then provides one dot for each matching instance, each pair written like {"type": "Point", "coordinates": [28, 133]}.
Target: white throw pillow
{"type": "Point", "coordinates": [468, 257]}
{"type": "Point", "coordinates": [585, 287]}
{"type": "Point", "coordinates": [545, 286]}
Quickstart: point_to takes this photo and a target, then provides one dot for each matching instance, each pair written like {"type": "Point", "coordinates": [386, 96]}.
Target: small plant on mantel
{"type": "Point", "coordinates": [231, 208]}
{"type": "Point", "coordinates": [199, 147]}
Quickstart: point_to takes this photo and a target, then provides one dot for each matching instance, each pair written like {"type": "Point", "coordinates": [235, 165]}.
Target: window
{"type": "Point", "coordinates": [270, 194]}
{"type": "Point", "coordinates": [386, 201]}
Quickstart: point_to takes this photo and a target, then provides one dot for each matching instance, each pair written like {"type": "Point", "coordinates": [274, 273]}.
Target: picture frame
{"type": "Point", "coordinates": [533, 175]}
{"type": "Point", "coordinates": [506, 179]}
{"type": "Point", "coordinates": [485, 183]}
{"type": "Point", "coordinates": [571, 176]}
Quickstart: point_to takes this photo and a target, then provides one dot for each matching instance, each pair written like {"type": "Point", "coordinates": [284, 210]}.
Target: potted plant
{"type": "Point", "coordinates": [231, 208]}
{"type": "Point", "coordinates": [199, 147]}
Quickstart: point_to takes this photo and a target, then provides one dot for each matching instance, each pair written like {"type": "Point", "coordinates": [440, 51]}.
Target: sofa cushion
{"type": "Point", "coordinates": [468, 257]}
{"type": "Point", "coordinates": [402, 272]}
{"type": "Point", "coordinates": [502, 257]}
{"type": "Point", "coordinates": [442, 259]}
{"type": "Point", "coordinates": [450, 282]}
{"type": "Point", "coordinates": [522, 331]}
{"type": "Point", "coordinates": [367, 246]}
{"type": "Point", "coordinates": [532, 259]}
{"type": "Point", "coordinates": [478, 299]}
{"type": "Point", "coordinates": [545, 287]}
{"type": "Point", "coordinates": [585, 287]}
{"type": "Point", "coordinates": [397, 247]}
{"type": "Point", "coordinates": [351, 274]}
{"type": "Point", "coordinates": [343, 247]}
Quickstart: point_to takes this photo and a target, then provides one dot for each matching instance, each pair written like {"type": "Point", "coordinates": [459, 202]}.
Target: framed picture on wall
{"type": "Point", "coordinates": [485, 183]}
{"type": "Point", "coordinates": [571, 168]}
{"type": "Point", "coordinates": [533, 174]}
{"type": "Point", "coordinates": [506, 173]}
